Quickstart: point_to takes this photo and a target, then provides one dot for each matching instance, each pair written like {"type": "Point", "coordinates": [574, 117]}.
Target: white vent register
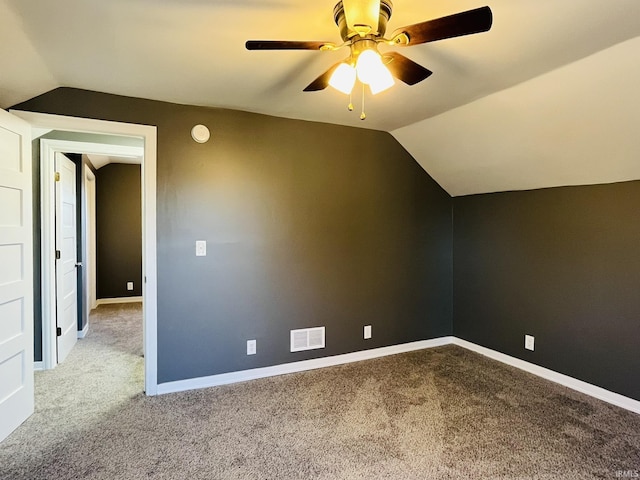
{"type": "Point", "coordinates": [307, 339]}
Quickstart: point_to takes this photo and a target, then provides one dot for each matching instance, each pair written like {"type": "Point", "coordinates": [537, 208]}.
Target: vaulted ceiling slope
{"type": "Point", "coordinates": [545, 98]}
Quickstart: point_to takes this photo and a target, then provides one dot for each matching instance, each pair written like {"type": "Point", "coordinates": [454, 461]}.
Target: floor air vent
{"type": "Point", "coordinates": [307, 339]}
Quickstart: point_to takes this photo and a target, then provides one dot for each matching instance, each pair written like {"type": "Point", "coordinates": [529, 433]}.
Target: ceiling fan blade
{"type": "Point", "coordinates": [362, 15]}
{"type": "Point", "coordinates": [405, 69]}
{"type": "Point", "coordinates": [457, 25]}
{"type": "Point", "coordinates": [322, 81]}
{"type": "Point", "coordinates": [283, 45]}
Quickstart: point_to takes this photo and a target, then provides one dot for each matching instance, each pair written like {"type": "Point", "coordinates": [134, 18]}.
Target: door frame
{"type": "Point", "coordinates": [89, 259]}
{"type": "Point", "coordinates": [48, 149]}
{"type": "Point", "coordinates": [149, 248]}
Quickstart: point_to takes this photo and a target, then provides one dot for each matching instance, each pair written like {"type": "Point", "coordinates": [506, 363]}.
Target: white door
{"type": "Point", "coordinates": [16, 274]}
{"type": "Point", "coordinates": [66, 260]}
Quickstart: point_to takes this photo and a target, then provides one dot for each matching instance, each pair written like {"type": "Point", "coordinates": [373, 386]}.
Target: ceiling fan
{"type": "Point", "coordinates": [362, 25]}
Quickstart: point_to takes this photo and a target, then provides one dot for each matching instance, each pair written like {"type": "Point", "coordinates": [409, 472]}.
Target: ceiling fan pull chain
{"type": "Point", "coordinates": [350, 106]}
{"type": "Point", "coordinates": [363, 115]}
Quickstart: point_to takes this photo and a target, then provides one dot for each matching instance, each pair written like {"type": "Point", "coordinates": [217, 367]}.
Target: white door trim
{"type": "Point", "coordinates": [90, 240]}
{"type": "Point", "coordinates": [149, 255]}
{"type": "Point", "coordinates": [47, 248]}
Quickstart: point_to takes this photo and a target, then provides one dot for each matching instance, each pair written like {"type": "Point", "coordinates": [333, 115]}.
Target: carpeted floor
{"type": "Point", "coordinates": [444, 413]}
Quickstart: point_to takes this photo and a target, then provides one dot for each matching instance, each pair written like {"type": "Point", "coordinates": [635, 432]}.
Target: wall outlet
{"type": "Point", "coordinates": [367, 332]}
{"type": "Point", "coordinates": [251, 347]}
{"type": "Point", "coordinates": [129, 286]}
{"type": "Point", "coordinates": [201, 248]}
{"type": "Point", "coordinates": [529, 342]}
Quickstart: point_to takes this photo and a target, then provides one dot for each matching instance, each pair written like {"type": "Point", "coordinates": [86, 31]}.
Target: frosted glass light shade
{"type": "Point", "coordinates": [382, 81]}
{"type": "Point", "coordinates": [343, 78]}
{"type": "Point", "coordinates": [368, 65]}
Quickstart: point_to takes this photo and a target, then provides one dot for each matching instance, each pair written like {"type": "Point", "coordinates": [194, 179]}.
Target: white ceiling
{"type": "Point", "coordinates": [547, 97]}
{"type": "Point", "coordinates": [99, 161]}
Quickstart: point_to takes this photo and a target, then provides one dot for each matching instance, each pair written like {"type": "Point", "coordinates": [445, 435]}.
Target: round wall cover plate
{"type": "Point", "coordinates": [200, 133]}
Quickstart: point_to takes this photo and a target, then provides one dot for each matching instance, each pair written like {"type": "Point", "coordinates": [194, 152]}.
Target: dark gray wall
{"type": "Point", "coordinates": [562, 264]}
{"type": "Point", "coordinates": [118, 231]}
{"type": "Point", "coordinates": [307, 224]}
{"type": "Point", "coordinates": [312, 224]}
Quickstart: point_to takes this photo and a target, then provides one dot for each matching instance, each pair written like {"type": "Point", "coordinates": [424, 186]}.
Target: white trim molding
{"type": "Point", "coordinates": [83, 333]}
{"type": "Point", "coordinates": [111, 301]}
{"type": "Point", "coordinates": [304, 365]}
{"type": "Point", "coordinates": [565, 380]}
{"type": "Point", "coordinates": [148, 134]}
{"type": "Point", "coordinates": [255, 373]}
{"type": "Point", "coordinates": [38, 366]}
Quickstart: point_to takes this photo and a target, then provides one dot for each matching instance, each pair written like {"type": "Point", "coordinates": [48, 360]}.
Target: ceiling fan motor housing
{"type": "Point", "coordinates": [339, 17]}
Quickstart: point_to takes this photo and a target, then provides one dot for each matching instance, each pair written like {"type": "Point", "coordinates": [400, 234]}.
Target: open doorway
{"type": "Point", "coordinates": [63, 230]}
{"type": "Point", "coordinates": [147, 135]}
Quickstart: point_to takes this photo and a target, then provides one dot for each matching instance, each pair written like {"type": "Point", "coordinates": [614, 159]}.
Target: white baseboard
{"type": "Point", "coordinates": [111, 301]}
{"type": "Point", "coordinates": [83, 333]}
{"type": "Point", "coordinates": [565, 380]}
{"type": "Point", "coordinates": [244, 375]}
{"type": "Point", "coordinates": [37, 366]}
{"type": "Point", "coordinates": [255, 373]}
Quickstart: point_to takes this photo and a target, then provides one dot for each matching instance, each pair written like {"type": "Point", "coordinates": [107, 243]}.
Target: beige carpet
{"type": "Point", "coordinates": [444, 413]}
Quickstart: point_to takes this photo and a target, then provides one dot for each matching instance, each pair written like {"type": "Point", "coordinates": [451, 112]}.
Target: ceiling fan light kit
{"type": "Point", "coordinates": [369, 70]}
{"type": "Point", "coordinates": [362, 25]}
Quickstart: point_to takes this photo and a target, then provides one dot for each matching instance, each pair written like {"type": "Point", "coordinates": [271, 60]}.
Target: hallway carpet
{"type": "Point", "coordinates": [443, 413]}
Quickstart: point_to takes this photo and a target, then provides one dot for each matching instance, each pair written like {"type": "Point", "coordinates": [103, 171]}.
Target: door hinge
{"type": "Point", "coordinates": [58, 331]}
{"type": "Point", "coordinates": [57, 176]}
{"type": "Point", "coordinates": [57, 254]}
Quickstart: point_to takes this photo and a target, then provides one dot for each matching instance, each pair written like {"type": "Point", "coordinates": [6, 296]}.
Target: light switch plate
{"type": "Point", "coordinates": [529, 342]}
{"type": "Point", "coordinates": [201, 248]}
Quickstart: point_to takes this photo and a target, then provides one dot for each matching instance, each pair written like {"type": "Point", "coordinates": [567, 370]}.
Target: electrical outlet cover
{"type": "Point", "coordinates": [367, 332]}
{"type": "Point", "coordinates": [251, 347]}
{"type": "Point", "coordinates": [201, 248]}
